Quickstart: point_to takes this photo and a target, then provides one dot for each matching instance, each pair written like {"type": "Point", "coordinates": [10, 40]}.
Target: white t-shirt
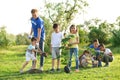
{"type": "Point", "coordinates": [107, 51]}
{"type": "Point", "coordinates": [56, 39]}
{"type": "Point", "coordinates": [30, 47]}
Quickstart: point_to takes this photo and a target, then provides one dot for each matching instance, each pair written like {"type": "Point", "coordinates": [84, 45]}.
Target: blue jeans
{"type": "Point", "coordinates": [41, 46]}
{"type": "Point", "coordinates": [75, 51]}
{"type": "Point", "coordinates": [97, 57]}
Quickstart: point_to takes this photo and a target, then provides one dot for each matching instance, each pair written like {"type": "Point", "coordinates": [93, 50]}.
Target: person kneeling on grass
{"type": "Point", "coordinates": [30, 54]}
{"type": "Point", "coordinates": [107, 55]}
{"type": "Point", "coordinates": [85, 59]}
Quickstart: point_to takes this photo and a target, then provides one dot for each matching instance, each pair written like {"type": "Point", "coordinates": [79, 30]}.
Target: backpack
{"type": "Point", "coordinates": [67, 69]}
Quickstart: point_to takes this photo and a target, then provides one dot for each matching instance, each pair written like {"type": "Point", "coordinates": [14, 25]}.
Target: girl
{"type": "Point", "coordinates": [84, 58]}
{"type": "Point", "coordinates": [73, 44]}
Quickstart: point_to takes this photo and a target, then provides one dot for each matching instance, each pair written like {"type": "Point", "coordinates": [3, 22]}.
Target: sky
{"type": "Point", "coordinates": [15, 14]}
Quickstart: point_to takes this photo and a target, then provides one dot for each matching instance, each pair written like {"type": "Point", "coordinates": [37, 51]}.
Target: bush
{"type": "Point", "coordinates": [22, 39]}
{"type": "Point", "coordinates": [4, 41]}
{"type": "Point", "coordinates": [98, 34]}
{"type": "Point", "coordinates": [116, 38]}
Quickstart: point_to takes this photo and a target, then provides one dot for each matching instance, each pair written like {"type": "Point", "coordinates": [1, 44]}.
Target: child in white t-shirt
{"type": "Point", "coordinates": [56, 39]}
{"type": "Point", "coordinates": [107, 56]}
{"type": "Point", "coordinates": [30, 54]}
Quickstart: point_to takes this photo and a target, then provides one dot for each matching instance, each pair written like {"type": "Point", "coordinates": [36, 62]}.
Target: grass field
{"type": "Point", "coordinates": [12, 59]}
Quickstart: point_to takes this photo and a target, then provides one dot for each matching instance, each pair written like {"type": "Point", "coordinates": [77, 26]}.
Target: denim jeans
{"type": "Point", "coordinates": [75, 51]}
{"type": "Point", "coordinates": [41, 46]}
{"type": "Point", "coordinates": [97, 57]}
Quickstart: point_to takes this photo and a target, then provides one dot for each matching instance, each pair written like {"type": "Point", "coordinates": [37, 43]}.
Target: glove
{"type": "Point", "coordinates": [30, 36]}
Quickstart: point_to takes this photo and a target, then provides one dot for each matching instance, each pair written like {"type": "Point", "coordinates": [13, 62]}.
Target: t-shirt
{"type": "Point", "coordinates": [73, 40]}
{"type": "Point", "coordinates": [107, 51]}
{"type": "Point", "coordinates": [30, 47]}
{"type": "Point", "coordinates": [38, 23]}
{"type": "Point", "coordinates": [83, 57]}
{"type": "Point", "coordinates": [56, 39]}
{"type": "Point", "coordinates": [92, 46]}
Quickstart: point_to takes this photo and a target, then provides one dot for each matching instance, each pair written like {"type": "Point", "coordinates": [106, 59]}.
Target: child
{"type": "Point", "coordinates": [56, 39]}
{"type": "Point", "coordinates": [84, 59]}
{"type": "Point", "coordinates": [95, 46]}
{"type": "Point", "coordinates": [73, 42]}
{"type": "Point", "coordinates": [30, 54]}
{"type": "Point", "coordinates": [107, 56]}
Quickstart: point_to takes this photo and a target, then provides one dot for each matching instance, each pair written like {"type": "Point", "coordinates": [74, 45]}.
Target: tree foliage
{"type": "Point", "coordinates": [64, 12]}
{"type": "Point", "coordinates": [22, 39]}
{"type": "Point", "coordinates": [5, 38]}
{"type": "Point", "coordinates": [116, 38]}
{"type": "Point", "coordinates": [98, 34]}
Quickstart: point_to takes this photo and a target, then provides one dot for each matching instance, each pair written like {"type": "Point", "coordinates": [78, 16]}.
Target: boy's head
{"type": "Point", "coordinates": [102, 47]}
{"type": "Point", "coordinates": [34, 13]}
{"type": "Point", "coordinates": [56, 27]}
{"type": "Point", "coordinates": [33, 40]}
{"type": "Point", "coordinates": [96, 43]}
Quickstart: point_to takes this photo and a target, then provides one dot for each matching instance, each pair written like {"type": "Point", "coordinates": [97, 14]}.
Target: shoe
{"type": "Point", "coordinates": [52, 70]}
{"type": "Point", "coordinates": [106, 65]}
{"type": "Point", "coordinates": [41, 69]}
{"type": "Point", "coordinates": [21, 71]}
{"type": "Point", "coordinates": [58, 69]}
{"type": "Point", "coordinates": [77, 70]}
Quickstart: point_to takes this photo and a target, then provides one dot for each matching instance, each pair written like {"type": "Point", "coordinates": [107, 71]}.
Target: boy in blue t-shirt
{"type": "Point", "coordinates": [95, 46]}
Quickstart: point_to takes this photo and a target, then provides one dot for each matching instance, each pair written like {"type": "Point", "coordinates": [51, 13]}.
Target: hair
{"type": "Point", "coordinates": [85, 51]}
{"type": "Point", "coordinates": [95, 40]}
{"type": "Point", "coordinates": [102, 45]}
{"type": "Point", "coordinates": [55, 25]}
{"type": "Point", "coordinates": [34, 10]}
{"type": "Point", "coordinates": [33, 39]}
{"type": "Point", "coordinates": [72, 27]}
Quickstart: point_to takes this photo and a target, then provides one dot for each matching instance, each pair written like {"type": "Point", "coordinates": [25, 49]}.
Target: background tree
{"type": "Point", "coordinates": [64, 12]}
{"type": "Point", "coordinates": [22, 39]}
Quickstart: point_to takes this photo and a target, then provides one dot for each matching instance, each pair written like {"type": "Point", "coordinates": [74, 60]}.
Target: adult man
{"type": "Point", "coordinates": [38, 32]}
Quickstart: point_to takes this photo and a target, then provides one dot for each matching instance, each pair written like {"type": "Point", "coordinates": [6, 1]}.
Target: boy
{"type": "Point", "coordinates": [56, 39]}
{"type": "Point", "coordinates": [30, 54]}
{"type": "Point", "coordinates": [95, 46]}
{"type": "Point", "coordinates": [107, 56]}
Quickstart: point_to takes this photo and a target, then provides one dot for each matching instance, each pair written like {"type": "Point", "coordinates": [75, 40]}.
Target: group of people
{"type": "Point", "coordinates": [102, 54]}
{"type": "Point", "coordinates": [38, 39]}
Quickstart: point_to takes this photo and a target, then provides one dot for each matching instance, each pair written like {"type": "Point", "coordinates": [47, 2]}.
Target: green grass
{"type": "Point", "coordinates": [11, 61]}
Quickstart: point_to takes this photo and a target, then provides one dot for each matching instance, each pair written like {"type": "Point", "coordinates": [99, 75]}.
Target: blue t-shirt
{"type": "Point", "coordinates": [38, 23]}
{"type": "Point", "coordinates": [92, 46]}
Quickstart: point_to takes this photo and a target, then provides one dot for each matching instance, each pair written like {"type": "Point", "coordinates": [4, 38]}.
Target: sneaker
{"type": "Point", "coordinates": [41, 69]}
{"type": "Point", "coordinates": [58, 69]}
{"type": "Point", "coordinates": [106, 65]}
{"type": "Point", "coordinates": [52, 70]}
{"type": "Point", "coordinates": [77, 70]}
{"type": "Point", "coordinates": [21, 71]}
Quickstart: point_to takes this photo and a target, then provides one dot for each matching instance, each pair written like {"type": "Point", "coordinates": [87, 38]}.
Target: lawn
{"type": "Point", "coordinates": [11, 61]}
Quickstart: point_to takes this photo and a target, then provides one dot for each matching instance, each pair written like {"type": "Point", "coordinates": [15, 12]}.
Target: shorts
{"type": "Point", "coordinates": [30, 56]}
{"type": "Point", "coordinates": [56, 52]}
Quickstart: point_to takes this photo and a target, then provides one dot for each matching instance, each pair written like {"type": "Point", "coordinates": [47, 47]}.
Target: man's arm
{"type": "Point", "coordinates": [39, 34]}
{"type": "Point", "coordinates": [31, 31]}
